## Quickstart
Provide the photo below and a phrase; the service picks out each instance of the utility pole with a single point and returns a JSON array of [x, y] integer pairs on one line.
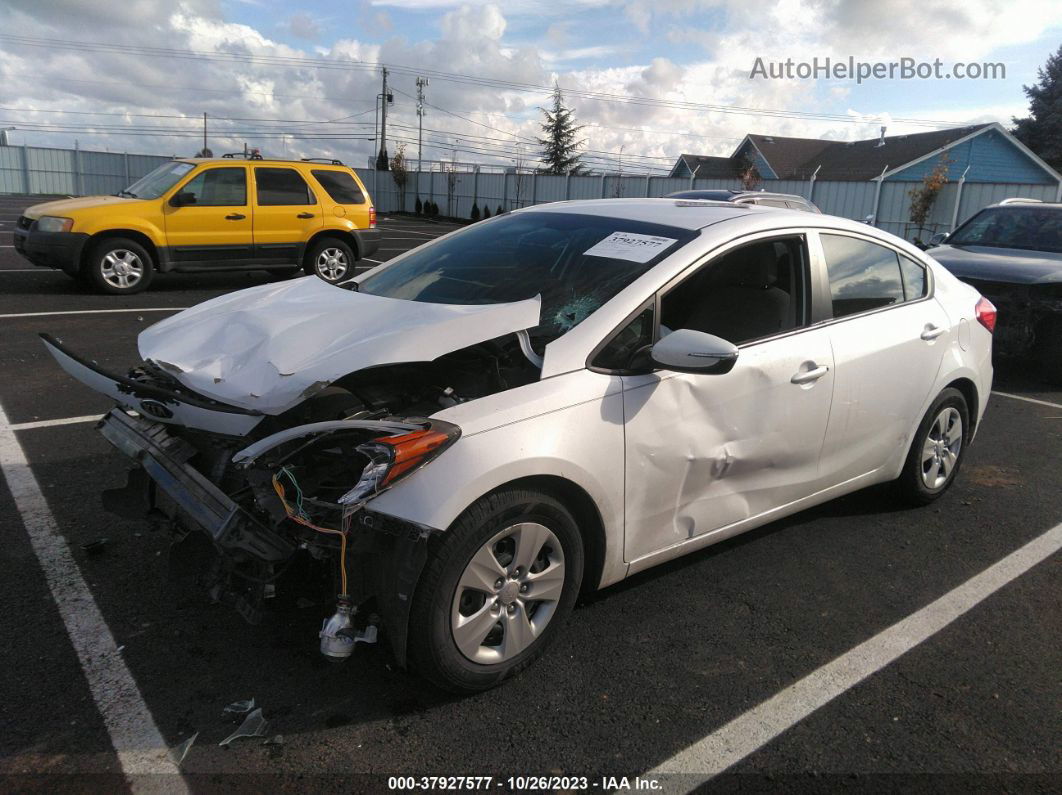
[[204, 134], [382, 157], [421, 83]]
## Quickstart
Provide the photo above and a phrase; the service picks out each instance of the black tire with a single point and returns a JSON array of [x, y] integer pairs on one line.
[[319, 266], [1049, 350], [911, 486], [108, 256], [433, 650]]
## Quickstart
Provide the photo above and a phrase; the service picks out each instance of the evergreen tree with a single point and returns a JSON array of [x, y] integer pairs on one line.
[[486, 213], [560, 147], [1041, 130], [475, 212], [418, 207]]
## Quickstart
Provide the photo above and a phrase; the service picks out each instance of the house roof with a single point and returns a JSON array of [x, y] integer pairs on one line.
[[707, 167], [798, 158], [867, 159]]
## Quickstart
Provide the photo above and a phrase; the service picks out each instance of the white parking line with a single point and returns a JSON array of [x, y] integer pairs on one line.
[[136, 739], [29, 426], [1029, 400], [377, 261], [426, 234], [95, 311], [752, 730]]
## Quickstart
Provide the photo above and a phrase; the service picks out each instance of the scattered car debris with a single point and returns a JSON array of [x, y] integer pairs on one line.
[[238, 708], [254, 725], [95, 547], [181, 751]]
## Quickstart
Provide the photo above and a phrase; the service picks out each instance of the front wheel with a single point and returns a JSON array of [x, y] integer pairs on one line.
[[496, 590], [119, 266], [331, 259], [937, 449]]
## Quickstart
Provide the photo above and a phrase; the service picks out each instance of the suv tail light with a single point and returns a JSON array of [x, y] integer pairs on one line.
[[372, 217], [985, 312]]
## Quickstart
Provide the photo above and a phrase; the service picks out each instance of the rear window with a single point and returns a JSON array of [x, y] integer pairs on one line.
[[281, 187], [340, 185]]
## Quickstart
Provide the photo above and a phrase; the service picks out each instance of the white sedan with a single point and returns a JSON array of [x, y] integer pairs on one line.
[[548, 401]]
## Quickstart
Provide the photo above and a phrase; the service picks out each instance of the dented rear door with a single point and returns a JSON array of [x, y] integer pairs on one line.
[[706, 451]]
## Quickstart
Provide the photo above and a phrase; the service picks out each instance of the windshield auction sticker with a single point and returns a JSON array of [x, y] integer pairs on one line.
[[629, 246]]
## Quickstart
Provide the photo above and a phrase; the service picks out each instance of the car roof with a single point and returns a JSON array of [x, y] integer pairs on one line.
[[690, 214]]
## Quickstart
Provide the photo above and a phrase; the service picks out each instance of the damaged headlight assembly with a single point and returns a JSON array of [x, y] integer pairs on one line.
[[390, 457]]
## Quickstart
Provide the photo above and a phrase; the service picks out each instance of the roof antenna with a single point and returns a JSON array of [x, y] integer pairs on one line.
[[881, 138]]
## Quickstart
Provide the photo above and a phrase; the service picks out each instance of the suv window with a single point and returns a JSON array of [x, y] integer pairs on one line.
[[218, 187], [752, 292], [340, 185], [863, 275], [281, 186]]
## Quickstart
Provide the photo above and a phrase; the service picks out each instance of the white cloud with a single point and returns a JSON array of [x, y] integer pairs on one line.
[[304, 26]]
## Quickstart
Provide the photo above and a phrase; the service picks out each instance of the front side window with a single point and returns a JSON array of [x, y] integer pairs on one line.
[[914, 279], [752, 292], [340, 186], [863, 275], [279, 187], [158, 181], [218, 187], [619, 353], [1034, 228], [575, 262]]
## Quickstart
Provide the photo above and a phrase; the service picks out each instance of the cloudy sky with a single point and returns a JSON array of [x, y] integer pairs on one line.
[[300, 77]]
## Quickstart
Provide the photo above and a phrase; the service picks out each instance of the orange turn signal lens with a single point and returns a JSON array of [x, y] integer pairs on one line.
[[412, 449]]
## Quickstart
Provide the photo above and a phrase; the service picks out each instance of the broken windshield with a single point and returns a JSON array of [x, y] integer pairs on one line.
[[575, 262]]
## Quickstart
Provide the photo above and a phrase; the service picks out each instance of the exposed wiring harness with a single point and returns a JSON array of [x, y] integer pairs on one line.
[[298, 515]]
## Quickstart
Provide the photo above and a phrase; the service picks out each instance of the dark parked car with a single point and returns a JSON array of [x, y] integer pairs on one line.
[[1012, 253], [787, 201]]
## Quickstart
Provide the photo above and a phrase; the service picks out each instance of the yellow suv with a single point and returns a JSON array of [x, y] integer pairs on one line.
[[208, 214]]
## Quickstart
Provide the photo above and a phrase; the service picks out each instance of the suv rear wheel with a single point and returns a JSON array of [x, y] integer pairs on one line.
[[119, 266], [331, 259]]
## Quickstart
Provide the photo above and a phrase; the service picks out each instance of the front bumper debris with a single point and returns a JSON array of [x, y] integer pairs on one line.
[[191, 497]]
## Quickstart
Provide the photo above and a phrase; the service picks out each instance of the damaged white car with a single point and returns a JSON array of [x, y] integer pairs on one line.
[[545, 402]]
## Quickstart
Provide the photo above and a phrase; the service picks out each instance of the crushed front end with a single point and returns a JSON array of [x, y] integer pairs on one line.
[[1027, 312]]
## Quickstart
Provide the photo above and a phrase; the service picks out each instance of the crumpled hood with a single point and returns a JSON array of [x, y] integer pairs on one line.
[[270, 347], [1014, 265], [61, 207]]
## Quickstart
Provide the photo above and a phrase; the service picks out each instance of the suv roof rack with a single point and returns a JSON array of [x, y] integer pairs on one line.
[[254, 154], [329, 160]]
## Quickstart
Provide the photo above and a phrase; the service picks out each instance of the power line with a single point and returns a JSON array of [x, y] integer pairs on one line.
[[353, 65]]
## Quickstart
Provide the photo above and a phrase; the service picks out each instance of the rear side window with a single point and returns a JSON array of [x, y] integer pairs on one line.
[[863, 275], [914, 278], [340, 185], [219, 187], [281, 186]]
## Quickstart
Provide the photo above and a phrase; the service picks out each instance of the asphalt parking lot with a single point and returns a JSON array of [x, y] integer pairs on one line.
[[642, 671]]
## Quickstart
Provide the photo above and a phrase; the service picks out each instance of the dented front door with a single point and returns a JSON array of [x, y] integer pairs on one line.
[[706, 451]]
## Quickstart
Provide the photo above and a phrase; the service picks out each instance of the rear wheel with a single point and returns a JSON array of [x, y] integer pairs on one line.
[[937, 449], [496, 590], [331, 259], [119, 266]]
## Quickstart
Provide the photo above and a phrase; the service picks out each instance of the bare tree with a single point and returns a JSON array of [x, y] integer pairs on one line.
[[749, 174], [451, 184], [400, 175], [925, 195]]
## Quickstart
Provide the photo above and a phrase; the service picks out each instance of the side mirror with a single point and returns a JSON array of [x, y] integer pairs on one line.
[[938, 239], [689, 351], [869, 219], [182, 199]]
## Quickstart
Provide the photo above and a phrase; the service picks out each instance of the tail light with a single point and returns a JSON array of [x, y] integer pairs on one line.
[[372, 217], [985, 312]]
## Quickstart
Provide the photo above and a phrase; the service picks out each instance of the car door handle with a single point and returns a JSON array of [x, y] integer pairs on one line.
[[304, 215], [807, 376], [235, 217], [931, 332]]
